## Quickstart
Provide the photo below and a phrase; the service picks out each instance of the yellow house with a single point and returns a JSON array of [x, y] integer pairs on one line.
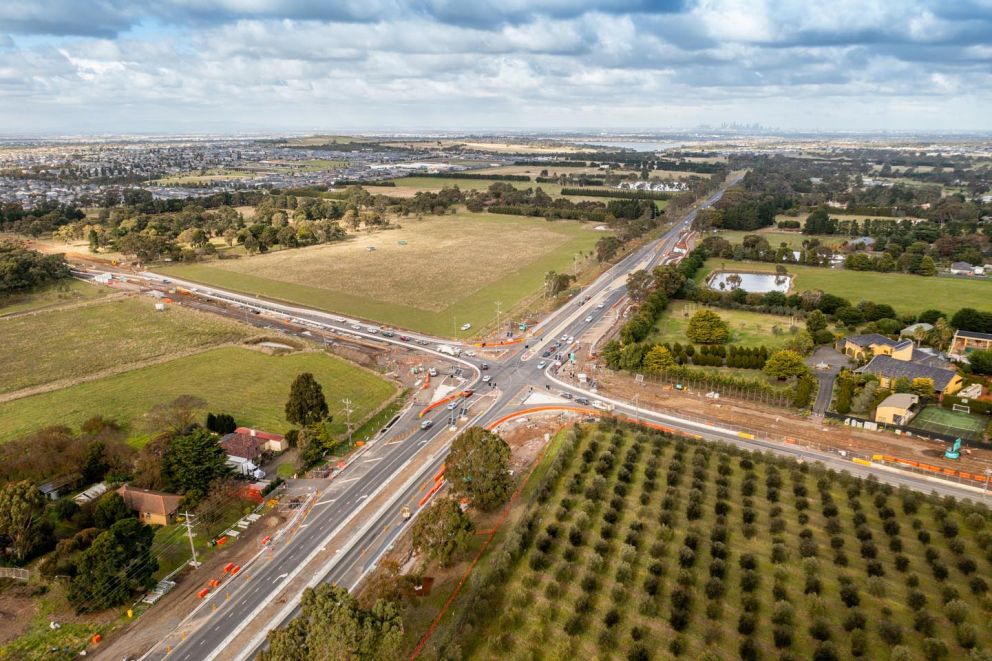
[[863, 347], [897, 409], [889, 368], [965, 341]]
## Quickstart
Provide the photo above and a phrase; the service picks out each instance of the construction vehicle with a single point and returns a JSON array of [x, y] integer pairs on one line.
[[405, 513]]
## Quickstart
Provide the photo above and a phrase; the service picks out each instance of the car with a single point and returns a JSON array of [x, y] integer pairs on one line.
[[588, 319], [423, 343], [452, 406], [465, 327], [564, 338], [546, 353], [426, 424], [566, 395], [432, 372], [541, 365], [356, 327], [387, 333], [484, 366], [372, 329], [405, 338], [582, 400], [570, 340], [467, 393], [470, 354], [487, 379], [601, 306]]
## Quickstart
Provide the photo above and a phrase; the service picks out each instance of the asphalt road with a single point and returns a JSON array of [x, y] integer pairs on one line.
[[512, 379]]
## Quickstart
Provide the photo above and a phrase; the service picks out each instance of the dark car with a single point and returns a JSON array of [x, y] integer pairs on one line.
[[582, 400], [484, 366], [405, 338], [566, 395]]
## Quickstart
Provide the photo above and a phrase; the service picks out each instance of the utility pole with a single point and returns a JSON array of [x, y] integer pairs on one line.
[[189, 533], [499, 328], [348, 409]]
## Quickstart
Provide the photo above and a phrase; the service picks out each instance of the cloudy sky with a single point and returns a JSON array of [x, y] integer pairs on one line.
[[84, 66]]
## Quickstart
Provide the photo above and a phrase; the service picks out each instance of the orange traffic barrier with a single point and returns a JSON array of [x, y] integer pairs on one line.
[[434, 490], [96, 638], [440, 473], [266, 539], [235, 569], [228, 567], [222, 540], [499, 344], [213, 582], [427, 382], [203, 593], [443, 400]]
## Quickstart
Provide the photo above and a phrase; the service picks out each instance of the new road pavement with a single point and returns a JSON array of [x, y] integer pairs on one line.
[[356, 518]]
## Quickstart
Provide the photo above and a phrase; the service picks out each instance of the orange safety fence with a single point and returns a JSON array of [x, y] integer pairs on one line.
[[444, 400], [427, 382], [505, 343], [440, 473], [437, 487], [940, 470]]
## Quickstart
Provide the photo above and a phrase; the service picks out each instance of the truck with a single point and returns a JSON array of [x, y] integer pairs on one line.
[[449, 350], [602, 406], [245, 468]]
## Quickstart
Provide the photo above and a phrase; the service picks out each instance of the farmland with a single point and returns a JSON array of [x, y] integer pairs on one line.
[[640, 546], [906, 293], [69, 291], [748, 329], [250, 385], [80, 341], [407, 186], [839, 215], [428, 275]]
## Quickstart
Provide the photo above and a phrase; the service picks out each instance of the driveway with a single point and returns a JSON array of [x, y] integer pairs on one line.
[[830, 362]]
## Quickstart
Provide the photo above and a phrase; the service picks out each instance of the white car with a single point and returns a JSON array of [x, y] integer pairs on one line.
[[432, 372], [356, 327], [452, 406], [570, 340], [541, 365], [465, 327], [487, 379], [470, 354], [589, 318], [601, 306]]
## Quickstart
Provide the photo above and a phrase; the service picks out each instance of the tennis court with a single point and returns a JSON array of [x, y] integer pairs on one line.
[[945, 421]]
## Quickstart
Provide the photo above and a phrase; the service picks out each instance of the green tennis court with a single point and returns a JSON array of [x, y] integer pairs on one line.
[[945, 421]]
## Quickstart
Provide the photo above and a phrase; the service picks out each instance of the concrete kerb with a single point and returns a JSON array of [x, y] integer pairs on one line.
[[281, 616]]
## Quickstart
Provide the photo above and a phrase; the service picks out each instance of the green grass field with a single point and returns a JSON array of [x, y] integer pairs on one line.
[[946, 421], [437, 183], [75, 342], [840, 216], [651, 548], [906, 293], [775, 239], [749, 329], [250, 385], [69, 291], [451, 270]]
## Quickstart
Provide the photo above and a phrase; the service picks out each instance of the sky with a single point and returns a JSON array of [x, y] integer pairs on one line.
[[230, 66]]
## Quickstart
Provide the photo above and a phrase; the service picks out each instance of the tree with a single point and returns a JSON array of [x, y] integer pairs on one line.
[[941, 333], [22, 509], [923, 386], [849, 316], [980, 361], [801, 343], [443, 531], [785, 363], [658, 359], [95, 462], [176, 417], [606, 247], [927, 267], [638, 285], [94, 241], [815, 321], [193, 461], [118, 563], [332, 625], [110, 509], [555, 283], [706, 327], [478, 466], [306, 404], [668, 279]]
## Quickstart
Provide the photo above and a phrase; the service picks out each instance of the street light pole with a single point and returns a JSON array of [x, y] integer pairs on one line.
[[348, 409], [499, 328]]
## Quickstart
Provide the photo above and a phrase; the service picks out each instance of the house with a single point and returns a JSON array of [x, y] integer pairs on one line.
[[153, 507], [910, 331], [888, 368], [897, 409], [864, 347], [57, 487], [965, 341], [962, 268], [273, 442]]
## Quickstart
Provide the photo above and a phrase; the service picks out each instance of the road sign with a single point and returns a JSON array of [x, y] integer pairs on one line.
[[639, 378]]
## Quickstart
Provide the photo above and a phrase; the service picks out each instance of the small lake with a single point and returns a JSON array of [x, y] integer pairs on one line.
[[756, 283]]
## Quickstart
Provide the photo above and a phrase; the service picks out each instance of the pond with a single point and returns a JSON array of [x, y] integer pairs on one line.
[[758, 283]]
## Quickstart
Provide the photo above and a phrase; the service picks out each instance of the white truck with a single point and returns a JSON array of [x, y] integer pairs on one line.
[[601, 405], [449, 350], [245, 468]]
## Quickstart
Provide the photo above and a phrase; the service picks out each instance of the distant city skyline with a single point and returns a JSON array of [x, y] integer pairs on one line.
[[233, 66]]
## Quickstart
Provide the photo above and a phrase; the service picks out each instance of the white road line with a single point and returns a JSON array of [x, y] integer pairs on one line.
[[372, 460], [350, 479]]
